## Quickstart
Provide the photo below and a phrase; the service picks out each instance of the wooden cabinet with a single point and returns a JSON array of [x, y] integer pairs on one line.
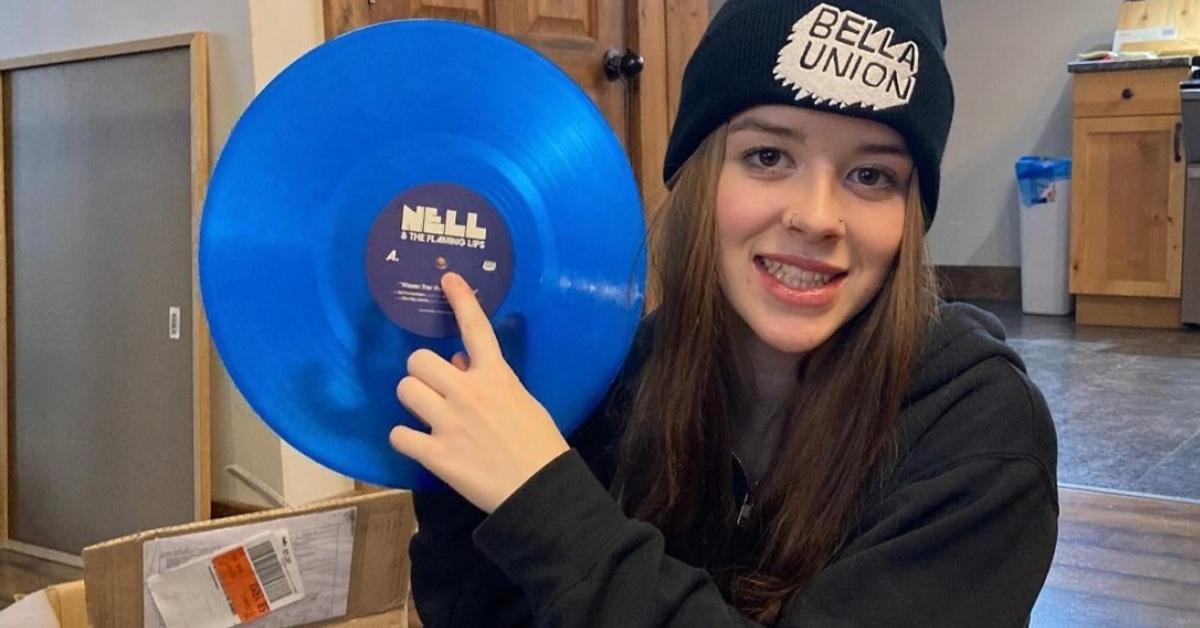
[[1127, 198], [576, 34]]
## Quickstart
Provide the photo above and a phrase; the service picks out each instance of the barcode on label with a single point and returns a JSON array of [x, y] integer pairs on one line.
[[270, 571]]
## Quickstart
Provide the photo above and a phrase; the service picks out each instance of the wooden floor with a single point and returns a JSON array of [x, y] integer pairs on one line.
[[1121, 561]]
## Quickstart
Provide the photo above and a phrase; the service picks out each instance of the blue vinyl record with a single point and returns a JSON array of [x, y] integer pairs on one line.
[[363, 172]]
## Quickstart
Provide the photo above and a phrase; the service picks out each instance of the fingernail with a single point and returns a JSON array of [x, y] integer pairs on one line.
[[453, 279]]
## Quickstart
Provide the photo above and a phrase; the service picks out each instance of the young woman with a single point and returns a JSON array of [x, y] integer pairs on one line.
[[802, 434]]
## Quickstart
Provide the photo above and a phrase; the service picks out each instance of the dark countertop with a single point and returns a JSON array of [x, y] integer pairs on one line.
[[1132, 64]]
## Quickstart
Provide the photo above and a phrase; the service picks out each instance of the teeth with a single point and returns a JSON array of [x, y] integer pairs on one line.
[[795, 278]]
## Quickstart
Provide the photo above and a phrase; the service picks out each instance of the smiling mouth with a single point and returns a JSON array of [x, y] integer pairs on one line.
[[794, 277]]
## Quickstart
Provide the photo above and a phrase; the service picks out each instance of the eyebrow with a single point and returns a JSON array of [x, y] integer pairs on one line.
[[883, 149], [758, 124]]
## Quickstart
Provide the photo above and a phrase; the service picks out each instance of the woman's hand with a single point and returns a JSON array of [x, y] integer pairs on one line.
[[488, 434]]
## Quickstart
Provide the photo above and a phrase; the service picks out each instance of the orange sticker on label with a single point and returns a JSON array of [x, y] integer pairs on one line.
[[241, 586]]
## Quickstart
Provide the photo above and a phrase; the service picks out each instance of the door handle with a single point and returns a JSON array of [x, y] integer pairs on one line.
[[1177, 141], [618, 66]]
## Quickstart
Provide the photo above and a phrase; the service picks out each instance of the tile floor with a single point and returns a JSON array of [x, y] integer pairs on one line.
[[1126, 402]]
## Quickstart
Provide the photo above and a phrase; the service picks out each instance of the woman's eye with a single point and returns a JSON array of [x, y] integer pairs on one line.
[[764, 158], [769, 157], [872, 177]]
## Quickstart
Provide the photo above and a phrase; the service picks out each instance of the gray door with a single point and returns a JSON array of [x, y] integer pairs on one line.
[[102, 412]]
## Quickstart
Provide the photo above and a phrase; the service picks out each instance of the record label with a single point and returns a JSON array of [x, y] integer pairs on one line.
[[425, 232]]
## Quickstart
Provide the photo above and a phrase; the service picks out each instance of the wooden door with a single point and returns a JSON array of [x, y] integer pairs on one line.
[[575, 34], [1127, 207]]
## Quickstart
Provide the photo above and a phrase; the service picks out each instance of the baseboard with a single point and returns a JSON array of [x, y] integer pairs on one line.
[[225, 508], [1000, 283], [1091, 309]]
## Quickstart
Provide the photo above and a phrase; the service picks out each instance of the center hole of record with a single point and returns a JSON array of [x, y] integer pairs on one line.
[[456, 228]]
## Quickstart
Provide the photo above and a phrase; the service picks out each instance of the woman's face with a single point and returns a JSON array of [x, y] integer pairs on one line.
[[809, 215]]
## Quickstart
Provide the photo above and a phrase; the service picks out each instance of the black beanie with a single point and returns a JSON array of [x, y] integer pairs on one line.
[[877, 59]]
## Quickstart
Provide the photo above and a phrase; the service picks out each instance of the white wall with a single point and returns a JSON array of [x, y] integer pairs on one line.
[[34, 27], [1008, 61], [28, 28]]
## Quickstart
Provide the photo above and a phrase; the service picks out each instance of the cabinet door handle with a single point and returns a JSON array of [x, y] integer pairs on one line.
[[1177, 138], [1127, 93]]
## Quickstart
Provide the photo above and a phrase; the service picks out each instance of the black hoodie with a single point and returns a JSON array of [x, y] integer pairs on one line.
[[962, 533]]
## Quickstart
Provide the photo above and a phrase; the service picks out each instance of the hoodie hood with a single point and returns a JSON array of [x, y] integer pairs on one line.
[[963, 337]]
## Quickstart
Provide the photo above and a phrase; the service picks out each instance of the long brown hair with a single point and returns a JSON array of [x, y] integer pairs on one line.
[[675, 467]]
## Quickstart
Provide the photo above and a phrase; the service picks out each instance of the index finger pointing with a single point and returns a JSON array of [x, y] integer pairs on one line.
[[477, 333]]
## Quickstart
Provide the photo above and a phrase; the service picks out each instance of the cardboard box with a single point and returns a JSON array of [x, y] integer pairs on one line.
[[67, 601], [1164, 27], [379, 585], [56, 606]]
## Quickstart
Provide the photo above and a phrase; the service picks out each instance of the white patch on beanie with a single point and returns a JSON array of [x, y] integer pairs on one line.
[[839, 57]]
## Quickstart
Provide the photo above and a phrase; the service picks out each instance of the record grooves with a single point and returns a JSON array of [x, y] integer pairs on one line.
[[365, 170]]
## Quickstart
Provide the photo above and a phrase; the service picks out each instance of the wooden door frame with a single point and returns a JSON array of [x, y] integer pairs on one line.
[[664, 33], [197, 44]]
